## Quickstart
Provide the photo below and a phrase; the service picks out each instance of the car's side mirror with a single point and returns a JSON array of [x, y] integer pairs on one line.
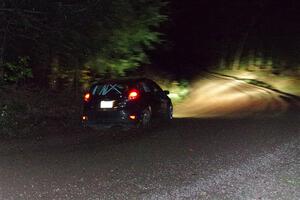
[[166, 92]]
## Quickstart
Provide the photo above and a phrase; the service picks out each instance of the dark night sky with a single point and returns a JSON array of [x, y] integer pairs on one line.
[[198, 29]]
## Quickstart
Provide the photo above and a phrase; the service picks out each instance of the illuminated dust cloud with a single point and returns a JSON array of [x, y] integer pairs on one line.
[[215, 96]]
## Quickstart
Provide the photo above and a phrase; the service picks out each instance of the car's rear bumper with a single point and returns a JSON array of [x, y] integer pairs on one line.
[[110, 119]]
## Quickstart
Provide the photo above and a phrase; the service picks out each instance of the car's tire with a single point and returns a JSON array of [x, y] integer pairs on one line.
[[169, 113], [145, 119]]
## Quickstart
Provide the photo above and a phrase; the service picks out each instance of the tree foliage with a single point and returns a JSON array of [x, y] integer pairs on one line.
[[129, 38], [102, 35], [14, 72]]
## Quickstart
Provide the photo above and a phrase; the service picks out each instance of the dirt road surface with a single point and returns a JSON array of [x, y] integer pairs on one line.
[[216, 154]]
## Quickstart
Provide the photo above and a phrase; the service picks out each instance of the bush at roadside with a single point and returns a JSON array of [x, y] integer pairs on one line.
[[30, 111]]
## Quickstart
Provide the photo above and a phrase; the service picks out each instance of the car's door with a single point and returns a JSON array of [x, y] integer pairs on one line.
[[145, 88], [159, 99]]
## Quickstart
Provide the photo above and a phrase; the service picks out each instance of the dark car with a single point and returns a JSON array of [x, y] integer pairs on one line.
[[126, 103]]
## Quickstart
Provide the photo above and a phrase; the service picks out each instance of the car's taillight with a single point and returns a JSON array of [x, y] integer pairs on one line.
[[133, 94], [87, 97]]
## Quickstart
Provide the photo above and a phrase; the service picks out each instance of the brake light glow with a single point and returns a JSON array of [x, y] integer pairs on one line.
[[132, 117], [87, 97], [133, 94]]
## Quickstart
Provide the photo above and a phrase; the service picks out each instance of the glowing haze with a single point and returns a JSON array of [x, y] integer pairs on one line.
[[214, 96]]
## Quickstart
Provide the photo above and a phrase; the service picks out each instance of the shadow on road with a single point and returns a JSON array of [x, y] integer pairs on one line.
[[190, 130], [180, 129]]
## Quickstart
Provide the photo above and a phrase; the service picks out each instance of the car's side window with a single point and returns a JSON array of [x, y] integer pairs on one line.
[[155, 89], [143, 87], [146, 87], [150, 86]]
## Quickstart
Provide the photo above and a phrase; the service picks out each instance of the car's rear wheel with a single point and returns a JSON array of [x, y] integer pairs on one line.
[[145, 119]]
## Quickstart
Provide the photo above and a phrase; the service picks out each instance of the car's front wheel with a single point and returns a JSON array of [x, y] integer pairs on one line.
[[169, 113]]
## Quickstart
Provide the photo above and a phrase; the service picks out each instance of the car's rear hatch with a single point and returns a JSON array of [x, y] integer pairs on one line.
[[109, 96]]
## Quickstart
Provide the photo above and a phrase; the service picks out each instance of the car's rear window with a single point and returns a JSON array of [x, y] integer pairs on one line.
[[109, 89]]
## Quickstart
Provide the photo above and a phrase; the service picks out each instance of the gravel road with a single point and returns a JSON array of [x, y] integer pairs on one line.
[[254, 157]]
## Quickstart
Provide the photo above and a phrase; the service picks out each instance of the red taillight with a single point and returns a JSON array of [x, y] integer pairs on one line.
[[133, 94], [87, 97]]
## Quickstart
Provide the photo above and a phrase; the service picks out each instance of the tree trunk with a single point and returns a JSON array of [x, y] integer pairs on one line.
[[76, 78], [241, 46], [2, 50]]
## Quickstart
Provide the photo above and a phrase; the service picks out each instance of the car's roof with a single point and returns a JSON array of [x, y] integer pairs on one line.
[[123, 80]]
